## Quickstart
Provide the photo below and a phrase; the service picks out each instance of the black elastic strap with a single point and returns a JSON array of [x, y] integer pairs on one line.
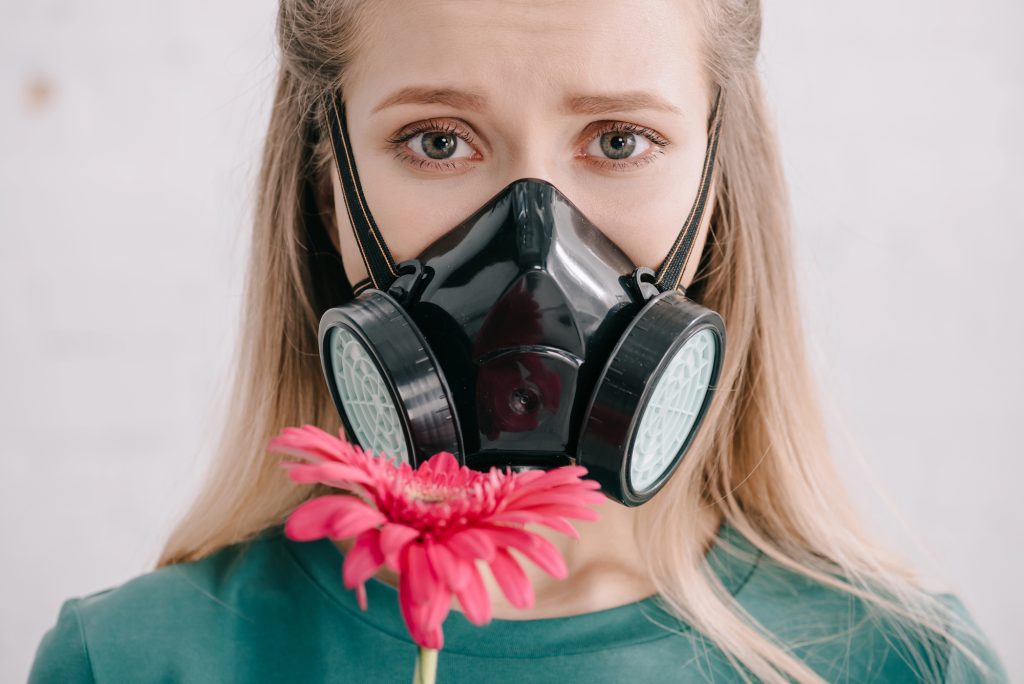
[[362, 285], [670, 273], [380, 265]]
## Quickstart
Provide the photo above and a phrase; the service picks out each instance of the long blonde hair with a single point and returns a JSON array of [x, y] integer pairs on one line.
[[762, 459]]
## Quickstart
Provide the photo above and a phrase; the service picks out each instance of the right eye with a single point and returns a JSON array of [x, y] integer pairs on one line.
[[440, 145], [434, 144]]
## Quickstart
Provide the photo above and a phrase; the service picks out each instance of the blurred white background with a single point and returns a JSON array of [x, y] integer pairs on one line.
[[129, 135]]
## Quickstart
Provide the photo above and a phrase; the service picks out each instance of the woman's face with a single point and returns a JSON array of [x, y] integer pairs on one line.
[[451, 100]]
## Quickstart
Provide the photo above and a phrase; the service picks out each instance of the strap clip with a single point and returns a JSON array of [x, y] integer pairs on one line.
[[642, 284], [412, 277]]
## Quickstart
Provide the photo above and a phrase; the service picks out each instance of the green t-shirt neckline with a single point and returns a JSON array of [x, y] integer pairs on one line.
[[270, 609], [732, 558]]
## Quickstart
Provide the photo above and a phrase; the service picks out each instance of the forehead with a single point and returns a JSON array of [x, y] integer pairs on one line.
[[515, 49]]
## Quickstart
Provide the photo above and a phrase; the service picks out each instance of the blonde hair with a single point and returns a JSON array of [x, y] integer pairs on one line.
[[761, 459]]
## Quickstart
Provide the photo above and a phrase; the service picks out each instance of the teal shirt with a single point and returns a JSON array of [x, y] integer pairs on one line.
[[274, 610]]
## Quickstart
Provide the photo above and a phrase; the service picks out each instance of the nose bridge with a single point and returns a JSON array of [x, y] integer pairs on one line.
[[529, 144], [532, 145]]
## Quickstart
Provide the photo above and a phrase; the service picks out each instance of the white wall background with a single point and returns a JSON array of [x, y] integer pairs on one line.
[[128, 140]]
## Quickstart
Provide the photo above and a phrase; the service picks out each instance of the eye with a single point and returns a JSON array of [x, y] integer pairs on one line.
[[445, 144], [433, 143], [618, 144], [439, 145]]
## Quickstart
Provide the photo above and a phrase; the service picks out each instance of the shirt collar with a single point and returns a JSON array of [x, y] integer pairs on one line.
[[732, 558]]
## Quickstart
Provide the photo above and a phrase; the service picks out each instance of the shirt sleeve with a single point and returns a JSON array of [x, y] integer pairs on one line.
[[62, 656], [960, 668]]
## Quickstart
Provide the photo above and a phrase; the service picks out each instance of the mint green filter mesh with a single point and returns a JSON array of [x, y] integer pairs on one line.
[[365, 398], [672, 409]]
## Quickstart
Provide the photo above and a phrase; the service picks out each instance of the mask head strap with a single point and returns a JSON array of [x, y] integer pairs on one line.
[[380, 265], [671, 271]]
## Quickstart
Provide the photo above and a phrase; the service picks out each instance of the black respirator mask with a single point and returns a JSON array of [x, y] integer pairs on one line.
[[523, 337]]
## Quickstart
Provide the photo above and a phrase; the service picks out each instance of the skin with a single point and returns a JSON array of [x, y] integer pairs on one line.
[[525, 60]]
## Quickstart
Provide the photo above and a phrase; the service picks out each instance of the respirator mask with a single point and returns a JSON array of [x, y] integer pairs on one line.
[[523, 337]]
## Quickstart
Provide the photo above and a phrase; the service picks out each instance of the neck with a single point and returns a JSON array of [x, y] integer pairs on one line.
[[605, 568]]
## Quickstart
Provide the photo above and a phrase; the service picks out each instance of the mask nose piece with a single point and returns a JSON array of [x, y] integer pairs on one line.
[[532, 213], [531, 184]]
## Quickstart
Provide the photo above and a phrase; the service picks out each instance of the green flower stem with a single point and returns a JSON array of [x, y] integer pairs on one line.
[[426, 666]]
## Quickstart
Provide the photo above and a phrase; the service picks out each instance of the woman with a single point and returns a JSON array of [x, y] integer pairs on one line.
[[749, 563]]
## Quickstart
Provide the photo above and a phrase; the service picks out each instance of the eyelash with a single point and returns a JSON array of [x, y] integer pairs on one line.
[[444, 126]]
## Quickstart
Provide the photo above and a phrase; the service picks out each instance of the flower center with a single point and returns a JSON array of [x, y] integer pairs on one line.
[[427, 493]]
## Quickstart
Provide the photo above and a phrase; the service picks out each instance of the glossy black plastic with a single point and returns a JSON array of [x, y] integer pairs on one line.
[[521, 303]]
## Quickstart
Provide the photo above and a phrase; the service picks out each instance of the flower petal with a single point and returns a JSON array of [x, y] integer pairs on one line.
[[435, 610], [435, 639], [512, 579], [555, 522], [556, 498], [473, 598], [394, 537], [561, 511], [355, 520], [337, 475], [443, 464], [361, 595], [363, 559], [535, 547], [310, 442], [418, 593], [560, 525], [333, 515], [472, 543], [541, 512], [418, 573], [446, 566], [525, 477], [548, 479]]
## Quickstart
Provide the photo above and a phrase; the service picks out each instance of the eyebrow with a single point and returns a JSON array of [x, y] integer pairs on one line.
[[476, 101], [620, 102], [460, 99]]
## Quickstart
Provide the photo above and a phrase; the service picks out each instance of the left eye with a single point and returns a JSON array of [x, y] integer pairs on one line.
[[440, 145], [618, 144]]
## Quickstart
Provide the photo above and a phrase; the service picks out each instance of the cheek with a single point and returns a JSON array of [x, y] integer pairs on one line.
[[412, 213], [645, 230], [644, 216], [646, 233]]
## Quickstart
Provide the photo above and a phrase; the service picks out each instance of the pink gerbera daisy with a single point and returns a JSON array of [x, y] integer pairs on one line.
[[432, 524]]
